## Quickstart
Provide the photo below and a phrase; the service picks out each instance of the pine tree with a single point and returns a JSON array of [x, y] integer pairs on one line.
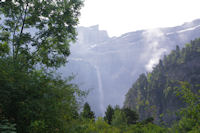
[[109, 114], [131, 116], [87, 113]]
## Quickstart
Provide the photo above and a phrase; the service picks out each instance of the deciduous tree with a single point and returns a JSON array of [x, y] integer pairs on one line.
[[38, 31]]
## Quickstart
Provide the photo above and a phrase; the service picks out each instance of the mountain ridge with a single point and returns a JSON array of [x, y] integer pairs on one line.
[[121, 59]]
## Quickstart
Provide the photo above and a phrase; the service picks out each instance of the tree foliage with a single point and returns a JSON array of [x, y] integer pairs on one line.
[[131, 116], [87, 113], [119, 118], [154, 93], [35, 36], [190, 116], [37, 99], [109, 114], [38, 31]]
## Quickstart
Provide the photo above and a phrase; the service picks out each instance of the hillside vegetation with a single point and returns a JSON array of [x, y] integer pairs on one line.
[[154, 93]]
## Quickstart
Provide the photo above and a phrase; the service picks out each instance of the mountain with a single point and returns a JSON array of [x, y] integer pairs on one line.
[[154, 93], [108, 66]]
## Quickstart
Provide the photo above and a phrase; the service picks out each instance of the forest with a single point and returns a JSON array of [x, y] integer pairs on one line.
[[154, 93], [35, 39]]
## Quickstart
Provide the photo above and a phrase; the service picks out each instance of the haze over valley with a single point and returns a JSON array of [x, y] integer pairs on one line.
[[108, 66]]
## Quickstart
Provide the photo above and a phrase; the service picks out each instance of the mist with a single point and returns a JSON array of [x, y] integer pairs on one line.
[[108, 67]]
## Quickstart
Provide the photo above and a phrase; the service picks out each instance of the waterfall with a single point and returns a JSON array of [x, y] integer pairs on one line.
[[100, 89], [99, 80]]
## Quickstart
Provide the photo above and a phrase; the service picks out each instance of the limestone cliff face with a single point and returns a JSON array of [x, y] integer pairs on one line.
[[91, 35]]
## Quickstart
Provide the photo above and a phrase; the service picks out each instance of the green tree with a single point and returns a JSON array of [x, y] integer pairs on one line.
[[154, 95], [131, 116], [87, 113], [38, 31], [99, 126], [119, 118], [190, 116], [37, 100], [34, 36], [148, 120], [109, 114]]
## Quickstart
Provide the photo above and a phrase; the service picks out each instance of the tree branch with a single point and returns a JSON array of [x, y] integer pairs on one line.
[[13, 40], [23, 23]]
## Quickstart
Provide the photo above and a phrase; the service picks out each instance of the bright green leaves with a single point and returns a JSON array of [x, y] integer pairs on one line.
[[4, 43], [185, 92], [190, 116], [4, 49], [4, 35], [37, 24]]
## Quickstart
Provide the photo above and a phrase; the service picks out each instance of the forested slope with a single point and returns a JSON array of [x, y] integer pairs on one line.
[[154, 94]]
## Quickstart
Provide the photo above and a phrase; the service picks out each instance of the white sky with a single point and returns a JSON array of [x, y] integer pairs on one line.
[[121, 16]]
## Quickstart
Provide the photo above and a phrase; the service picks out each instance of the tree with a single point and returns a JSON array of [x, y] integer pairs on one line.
[[87, 113], [190, 115], [109, 114], [35, 36], [119, 118], [37, 101], [131, 116], [38, 31], [148, 120]]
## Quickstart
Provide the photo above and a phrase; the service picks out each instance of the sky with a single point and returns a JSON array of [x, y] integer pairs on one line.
[[121, 16]]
